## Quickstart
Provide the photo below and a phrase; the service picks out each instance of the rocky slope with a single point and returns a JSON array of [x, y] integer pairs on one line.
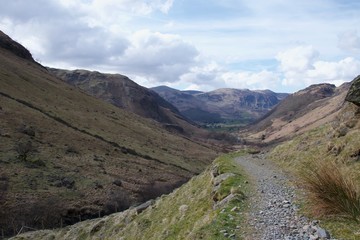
[[66, 156], [221, 105], [299, 112]]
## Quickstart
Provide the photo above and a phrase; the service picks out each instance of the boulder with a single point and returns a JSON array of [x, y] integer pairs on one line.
[[354, 92], [144, 206], [322, 233]]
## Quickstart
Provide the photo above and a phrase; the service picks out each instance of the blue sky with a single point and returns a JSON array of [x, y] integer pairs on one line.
[[280, 45]]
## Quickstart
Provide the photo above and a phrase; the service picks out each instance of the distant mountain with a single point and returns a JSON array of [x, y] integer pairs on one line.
[[221, 105], [298, 112], [122, 92], [66, 156]]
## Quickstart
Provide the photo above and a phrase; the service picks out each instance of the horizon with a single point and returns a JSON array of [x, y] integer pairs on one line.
[[206, 45]]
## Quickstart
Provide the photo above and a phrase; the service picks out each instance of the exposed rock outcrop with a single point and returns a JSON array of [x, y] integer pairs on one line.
[[354, 92]]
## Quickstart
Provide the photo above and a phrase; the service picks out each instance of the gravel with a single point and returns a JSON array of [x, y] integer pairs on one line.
[[273, 213]]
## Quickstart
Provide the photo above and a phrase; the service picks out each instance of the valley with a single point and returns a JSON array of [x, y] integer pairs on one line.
[[90, 155]]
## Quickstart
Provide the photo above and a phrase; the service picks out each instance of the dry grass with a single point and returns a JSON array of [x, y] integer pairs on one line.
[[83, 140], [331, 191]]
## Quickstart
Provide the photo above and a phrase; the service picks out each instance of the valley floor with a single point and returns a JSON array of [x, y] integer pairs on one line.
[[273, 213]]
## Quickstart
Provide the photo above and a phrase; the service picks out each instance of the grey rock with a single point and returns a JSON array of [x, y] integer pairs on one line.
[[354, 92], [322, 233], [222, 177], [144, 206]]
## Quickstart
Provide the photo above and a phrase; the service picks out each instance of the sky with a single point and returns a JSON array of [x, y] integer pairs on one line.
[[282, 45]]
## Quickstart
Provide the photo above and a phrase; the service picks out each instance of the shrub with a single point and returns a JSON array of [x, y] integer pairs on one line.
[[24, 149], [331, 191]]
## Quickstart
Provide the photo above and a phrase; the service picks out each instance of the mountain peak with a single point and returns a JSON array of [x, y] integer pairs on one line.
[[7, 43]]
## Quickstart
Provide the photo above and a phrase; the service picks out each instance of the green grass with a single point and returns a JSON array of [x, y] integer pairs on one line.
[[186, 213]]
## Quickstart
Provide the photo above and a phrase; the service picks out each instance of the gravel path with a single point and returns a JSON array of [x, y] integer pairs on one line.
[[273, 215]]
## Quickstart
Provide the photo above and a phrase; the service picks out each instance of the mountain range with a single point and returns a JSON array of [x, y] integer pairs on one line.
[[222, 105], [76, 145]]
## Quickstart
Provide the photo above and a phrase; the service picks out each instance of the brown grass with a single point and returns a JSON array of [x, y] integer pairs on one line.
[[331, 191]]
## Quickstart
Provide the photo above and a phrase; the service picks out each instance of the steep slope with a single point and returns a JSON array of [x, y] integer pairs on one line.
[[221, 105], [336, 143], [122, 92], [188, 104], [66, 156], [240, 104], [190, 212], [299, 112]]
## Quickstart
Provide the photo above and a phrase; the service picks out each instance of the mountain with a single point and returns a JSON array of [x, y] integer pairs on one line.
[[213, 204], [304, 110], [122, 92], [67, 156], [221, 105]]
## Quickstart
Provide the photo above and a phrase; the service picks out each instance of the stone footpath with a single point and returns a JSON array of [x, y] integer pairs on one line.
[[272, 214]]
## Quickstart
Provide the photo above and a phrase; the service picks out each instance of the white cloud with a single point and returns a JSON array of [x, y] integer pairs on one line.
[[300, 68], [212, 76], [297, 59], [244, 41], [258, 80], [156, 56], [349, 41]]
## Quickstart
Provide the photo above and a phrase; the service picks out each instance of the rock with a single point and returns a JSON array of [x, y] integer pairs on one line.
[[144, 206], [214, 172], [224, 201], [222, 177], [117, 182], [65, 182], [234, 209], [322, 233], [313, 237], [183, 209], [97, 227], [353, 94], [28, 130]]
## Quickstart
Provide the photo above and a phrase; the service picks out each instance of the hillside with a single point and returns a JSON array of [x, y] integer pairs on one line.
[[221, 105], [190, 212], [330, 150], [297, 113], [124, 93], [66, 156]]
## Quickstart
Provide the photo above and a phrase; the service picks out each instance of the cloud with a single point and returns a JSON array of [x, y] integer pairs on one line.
[[300, 68], [349, 41], [229, 44], [212, 76], [159, 57], [258, 80], [297, 59]]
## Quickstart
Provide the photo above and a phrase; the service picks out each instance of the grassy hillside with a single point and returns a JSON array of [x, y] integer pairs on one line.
[[191, 212], [316, 151], [66, 156], [122, 92]]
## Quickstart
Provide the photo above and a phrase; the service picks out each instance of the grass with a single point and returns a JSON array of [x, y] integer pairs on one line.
[[331, 175], [186, 213], [62, 118], [331, 192]]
